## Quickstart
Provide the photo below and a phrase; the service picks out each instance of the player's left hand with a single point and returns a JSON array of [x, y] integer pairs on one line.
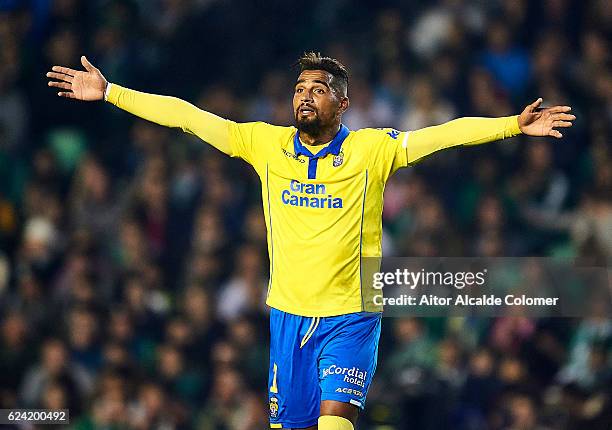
[[535, 121]]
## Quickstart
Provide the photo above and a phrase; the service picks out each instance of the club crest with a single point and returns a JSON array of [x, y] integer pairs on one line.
[[273, 407], [338, 159]]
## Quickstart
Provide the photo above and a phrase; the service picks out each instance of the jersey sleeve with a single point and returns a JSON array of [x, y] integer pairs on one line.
[[398, 149], [390, 151], [465, 131], [172, 112], [251, 141]]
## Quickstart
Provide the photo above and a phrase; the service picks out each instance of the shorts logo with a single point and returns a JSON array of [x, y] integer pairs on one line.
[[352, 375], [273, 407], [349, 391], [338, 159]]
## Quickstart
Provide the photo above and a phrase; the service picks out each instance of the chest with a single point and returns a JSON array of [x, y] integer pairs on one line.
[[327, 187], [344, 167]]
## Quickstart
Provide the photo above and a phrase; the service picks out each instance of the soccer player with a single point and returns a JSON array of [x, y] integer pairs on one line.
[[322, 190]]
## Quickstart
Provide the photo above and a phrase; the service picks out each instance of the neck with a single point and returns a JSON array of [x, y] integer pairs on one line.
[[321, 138]]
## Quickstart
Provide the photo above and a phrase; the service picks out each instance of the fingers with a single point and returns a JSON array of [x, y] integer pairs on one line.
[[563, 117], [60, 76], [533, 106], [69, 95], [88, 66], [555, 133], [64, 70], [63, 85], [563, 124], [64, 82], [558, 109]]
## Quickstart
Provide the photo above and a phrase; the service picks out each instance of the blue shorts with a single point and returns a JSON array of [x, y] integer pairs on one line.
[[314, 359]]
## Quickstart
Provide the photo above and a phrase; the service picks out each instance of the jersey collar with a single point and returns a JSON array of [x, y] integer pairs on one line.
[[332, 148]]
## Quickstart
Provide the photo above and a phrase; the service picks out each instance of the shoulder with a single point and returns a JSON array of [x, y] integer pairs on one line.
[[377, 138], [274, 129], [261, 131], [376, 133], [271, 134]]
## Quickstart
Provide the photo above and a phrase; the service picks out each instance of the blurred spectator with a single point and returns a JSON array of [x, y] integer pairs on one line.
[[508, 63], [479, 392], [230, 405], [246, 290], [425, 108], [15, 356], [179, 380], [54, 367], [95, 208], [366, 110]]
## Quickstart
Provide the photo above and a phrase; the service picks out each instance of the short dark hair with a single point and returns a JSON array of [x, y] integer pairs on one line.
[[314, 61]]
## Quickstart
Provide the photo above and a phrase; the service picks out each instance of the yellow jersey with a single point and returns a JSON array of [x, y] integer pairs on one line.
[[322, 204], [323, 210]]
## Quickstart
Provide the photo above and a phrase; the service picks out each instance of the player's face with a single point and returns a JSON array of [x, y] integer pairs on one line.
[[315, 105]]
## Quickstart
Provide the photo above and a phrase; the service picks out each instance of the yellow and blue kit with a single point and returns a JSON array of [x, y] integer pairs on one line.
[[323, 210], [319, 358]]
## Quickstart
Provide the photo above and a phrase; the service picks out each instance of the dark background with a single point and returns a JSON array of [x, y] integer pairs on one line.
[[133, 263]]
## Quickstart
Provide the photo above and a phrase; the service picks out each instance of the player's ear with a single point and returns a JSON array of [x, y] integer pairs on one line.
[[344, 104]]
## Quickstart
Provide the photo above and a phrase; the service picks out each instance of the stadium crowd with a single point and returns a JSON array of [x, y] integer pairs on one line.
[[133, 259]]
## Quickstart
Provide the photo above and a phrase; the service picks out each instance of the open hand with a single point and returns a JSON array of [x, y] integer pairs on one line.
[[88, 85], [542, 122]]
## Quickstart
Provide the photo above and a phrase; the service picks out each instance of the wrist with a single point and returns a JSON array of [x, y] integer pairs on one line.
[[107, 89], [515, 125]]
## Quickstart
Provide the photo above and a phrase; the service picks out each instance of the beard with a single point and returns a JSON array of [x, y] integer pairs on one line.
[[311, 126]]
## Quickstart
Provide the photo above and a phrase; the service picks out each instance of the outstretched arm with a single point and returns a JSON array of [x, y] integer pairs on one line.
[[90, 85], [473, 131]]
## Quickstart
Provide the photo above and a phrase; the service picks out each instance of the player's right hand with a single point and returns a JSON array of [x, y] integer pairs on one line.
[[88, 85]]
